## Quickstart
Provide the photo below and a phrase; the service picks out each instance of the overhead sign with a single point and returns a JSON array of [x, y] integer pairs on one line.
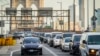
[[45, 12], [11, 11], [26, 11], [1, 23]]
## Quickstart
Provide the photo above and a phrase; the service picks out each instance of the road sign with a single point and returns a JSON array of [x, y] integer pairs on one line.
[[45, 12], [11, 11], [26, 11], [2, 23]]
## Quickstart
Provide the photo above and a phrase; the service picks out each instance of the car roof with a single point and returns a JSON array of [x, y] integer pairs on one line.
[[31, 37], [69, 33], [92, 33], [67, 37]]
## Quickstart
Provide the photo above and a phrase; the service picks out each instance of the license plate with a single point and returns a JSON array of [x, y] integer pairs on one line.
[[31, 50]]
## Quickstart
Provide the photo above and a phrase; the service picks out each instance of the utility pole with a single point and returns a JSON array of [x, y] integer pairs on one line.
[[74, 15], [94, 21], [88, 15], [61, 10]]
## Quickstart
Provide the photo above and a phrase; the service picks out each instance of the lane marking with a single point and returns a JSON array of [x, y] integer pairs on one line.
[[11, 54], [50, 51]]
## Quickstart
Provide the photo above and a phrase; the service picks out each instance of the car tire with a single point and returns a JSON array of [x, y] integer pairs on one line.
[[22, 53], [41, 53]]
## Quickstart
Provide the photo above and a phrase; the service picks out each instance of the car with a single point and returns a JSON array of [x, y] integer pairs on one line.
[[17, 35], [31, 45], [57, 40], [66, 35], [89, 44], [74, 44], [51, 39], [65, 44], [46, 36]]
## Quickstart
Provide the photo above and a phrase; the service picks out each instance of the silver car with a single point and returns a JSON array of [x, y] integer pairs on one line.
[[65, 44]]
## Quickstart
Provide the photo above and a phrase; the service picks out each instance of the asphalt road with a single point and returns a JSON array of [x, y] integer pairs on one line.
[[47, 51]]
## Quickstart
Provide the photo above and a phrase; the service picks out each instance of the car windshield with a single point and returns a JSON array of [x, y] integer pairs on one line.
[[55, 34], [67, 35], [48, 35], [28, 35], [94, 40], [67, 39], [31, 40], [77, 38], [58, 37]]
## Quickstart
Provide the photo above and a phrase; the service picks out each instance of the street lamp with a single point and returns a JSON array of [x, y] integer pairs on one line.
[[61, 10], [88, 15], [74, 18], [94, 26]]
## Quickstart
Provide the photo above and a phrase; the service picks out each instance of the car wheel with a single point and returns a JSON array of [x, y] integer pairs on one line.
[[22, 53], [41, 53]]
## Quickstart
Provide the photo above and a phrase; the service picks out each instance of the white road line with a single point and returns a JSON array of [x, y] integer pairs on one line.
[[50, 51], [11, 54]]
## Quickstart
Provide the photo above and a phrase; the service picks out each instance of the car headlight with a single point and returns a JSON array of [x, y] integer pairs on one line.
[[92, 50], [23, 46], [40, 46]]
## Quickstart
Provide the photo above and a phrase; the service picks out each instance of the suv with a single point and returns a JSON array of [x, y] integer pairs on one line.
[[52, 37], [90, 44], [74, 44], [31, 45]]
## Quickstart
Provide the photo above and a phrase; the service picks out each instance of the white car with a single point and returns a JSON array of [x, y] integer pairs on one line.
[[65, 44], [57, 40], [47, 35], [89, 44]]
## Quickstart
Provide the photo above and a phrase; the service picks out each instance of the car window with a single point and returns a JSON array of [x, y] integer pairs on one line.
[[28, 35], [94, 39], [67, 35], [58, 37], [31, 40], [77, 38], [55, 34], [67, 40], [48, 35]]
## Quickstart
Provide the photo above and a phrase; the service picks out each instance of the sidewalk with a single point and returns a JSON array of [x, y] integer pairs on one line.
[[4, 49]]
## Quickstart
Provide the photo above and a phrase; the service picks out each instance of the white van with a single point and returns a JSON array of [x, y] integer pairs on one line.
[[89, 44]]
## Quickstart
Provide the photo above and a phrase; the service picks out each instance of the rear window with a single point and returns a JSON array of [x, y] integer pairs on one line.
[[77, 38], [67, 40], [59, 37], [67, 35]]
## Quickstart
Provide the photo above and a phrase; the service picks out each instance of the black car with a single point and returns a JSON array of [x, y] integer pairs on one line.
[[74, 44], [17, 35], [31, 45]]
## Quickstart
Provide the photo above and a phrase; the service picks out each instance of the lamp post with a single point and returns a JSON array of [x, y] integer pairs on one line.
[[88, 15], [94, 26], [74, 18], [61, 10]]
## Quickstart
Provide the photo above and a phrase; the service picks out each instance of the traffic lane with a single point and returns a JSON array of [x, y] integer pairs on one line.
[[45, 53], [59, 52]]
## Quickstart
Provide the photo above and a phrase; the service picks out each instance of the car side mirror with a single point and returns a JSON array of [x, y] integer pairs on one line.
[[70, 40], [84, 42]]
